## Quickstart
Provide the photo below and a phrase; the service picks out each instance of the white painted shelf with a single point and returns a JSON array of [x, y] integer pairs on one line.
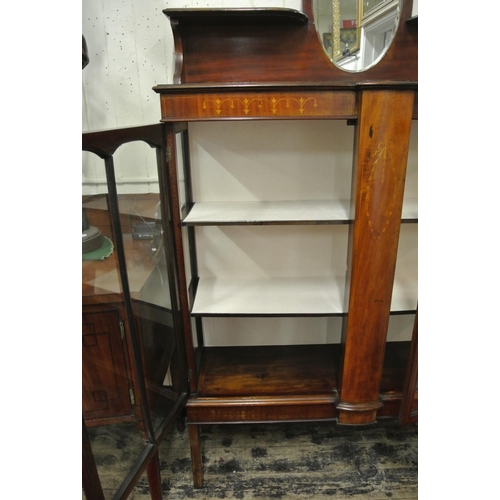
[[279, 212], [410, 210], [310, 296], [262, 212], [404, 296]]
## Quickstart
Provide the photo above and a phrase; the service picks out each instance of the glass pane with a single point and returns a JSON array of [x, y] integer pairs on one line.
[[111, 415], [113, 402], [116, 448], [141, 220]]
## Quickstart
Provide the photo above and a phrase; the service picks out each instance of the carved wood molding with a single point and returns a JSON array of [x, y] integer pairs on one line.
[[367, 406], [358, 413]]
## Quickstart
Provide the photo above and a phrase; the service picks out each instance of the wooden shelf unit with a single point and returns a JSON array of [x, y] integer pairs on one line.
[[233, 65]]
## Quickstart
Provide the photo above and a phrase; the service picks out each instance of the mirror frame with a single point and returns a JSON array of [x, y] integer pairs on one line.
[[367, 13], [365, 17], [336, 49]]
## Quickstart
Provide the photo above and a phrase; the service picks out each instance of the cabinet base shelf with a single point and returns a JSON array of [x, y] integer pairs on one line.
[[268, 371], [283, 383]]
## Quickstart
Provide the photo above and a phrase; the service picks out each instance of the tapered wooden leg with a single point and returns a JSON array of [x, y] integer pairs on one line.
[[181, 424], [154, 477], [194, 440], [90, 477]]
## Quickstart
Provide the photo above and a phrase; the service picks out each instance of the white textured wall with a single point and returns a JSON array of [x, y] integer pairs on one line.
[[131, 50]]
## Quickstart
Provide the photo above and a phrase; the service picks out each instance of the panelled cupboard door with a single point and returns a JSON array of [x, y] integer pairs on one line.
[[105, 389]]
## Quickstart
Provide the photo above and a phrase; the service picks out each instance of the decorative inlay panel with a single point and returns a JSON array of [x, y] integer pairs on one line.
[[259, 105], [262, 104], [385, 194]]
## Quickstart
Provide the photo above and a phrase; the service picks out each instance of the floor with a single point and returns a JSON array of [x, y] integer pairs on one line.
[[295, 461]]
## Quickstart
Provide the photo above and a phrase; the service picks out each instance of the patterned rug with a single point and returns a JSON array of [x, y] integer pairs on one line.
[[295, 461]]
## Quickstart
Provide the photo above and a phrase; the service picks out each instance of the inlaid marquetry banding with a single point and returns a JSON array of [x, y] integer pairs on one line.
[[378, 176], [258, 105]]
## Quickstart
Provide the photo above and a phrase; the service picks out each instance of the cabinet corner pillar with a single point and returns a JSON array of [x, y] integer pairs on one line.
[[382, 142]]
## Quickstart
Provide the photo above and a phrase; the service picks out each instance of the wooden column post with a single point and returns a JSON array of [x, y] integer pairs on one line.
[[172, 187], [382, 140]]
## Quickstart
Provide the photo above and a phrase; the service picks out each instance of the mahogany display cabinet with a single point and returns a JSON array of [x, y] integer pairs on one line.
[[268, 65]]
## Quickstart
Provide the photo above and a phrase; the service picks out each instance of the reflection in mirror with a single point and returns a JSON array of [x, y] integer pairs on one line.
[[356, 33]]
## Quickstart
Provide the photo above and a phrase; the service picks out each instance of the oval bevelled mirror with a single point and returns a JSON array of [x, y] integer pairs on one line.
[[356, 33]]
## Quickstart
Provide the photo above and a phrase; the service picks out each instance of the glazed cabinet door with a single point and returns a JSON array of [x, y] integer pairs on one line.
[[134, 381]]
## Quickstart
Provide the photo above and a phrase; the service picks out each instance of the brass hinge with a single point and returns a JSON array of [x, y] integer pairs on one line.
[[132, 397], [122, 330]]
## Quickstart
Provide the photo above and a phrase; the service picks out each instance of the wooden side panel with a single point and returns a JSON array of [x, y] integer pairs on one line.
[[409, 404], [383, 140]]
